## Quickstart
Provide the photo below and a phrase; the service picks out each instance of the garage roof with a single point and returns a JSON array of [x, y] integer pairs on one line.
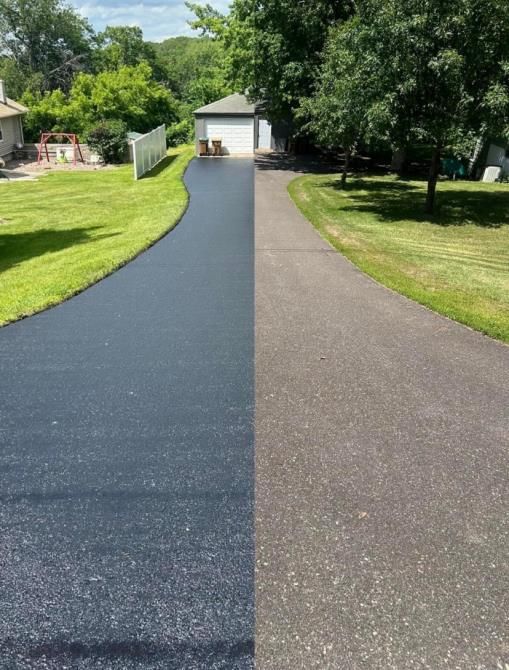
[[232, 105]]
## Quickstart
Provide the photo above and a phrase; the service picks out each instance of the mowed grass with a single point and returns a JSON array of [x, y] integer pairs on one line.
[[66, 231], [456, 262]]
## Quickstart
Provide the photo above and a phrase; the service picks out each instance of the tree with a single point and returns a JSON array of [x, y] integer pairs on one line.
[[109, 139], [129, 95], [288, 44], [274, 47], [433, 72], [336, 113], [209, 21], [45, 39], [122, 45], [194, 69], [442, 72]]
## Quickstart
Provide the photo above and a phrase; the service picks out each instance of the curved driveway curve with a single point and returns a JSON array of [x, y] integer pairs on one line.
[[126, 456]]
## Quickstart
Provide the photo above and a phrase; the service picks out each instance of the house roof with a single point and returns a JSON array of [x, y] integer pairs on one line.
[[236, 104], [11, 108]]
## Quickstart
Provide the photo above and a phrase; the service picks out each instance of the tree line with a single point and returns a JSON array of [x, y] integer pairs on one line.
[[74, 79], [391, 73]]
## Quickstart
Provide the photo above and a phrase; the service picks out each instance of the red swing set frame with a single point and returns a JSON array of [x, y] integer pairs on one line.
[[72, 137]]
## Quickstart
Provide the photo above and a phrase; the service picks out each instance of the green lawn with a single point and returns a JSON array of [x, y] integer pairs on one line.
[[455, 262], [67, 230]]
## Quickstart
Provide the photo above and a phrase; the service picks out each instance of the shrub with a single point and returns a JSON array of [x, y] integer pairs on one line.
[[109, 139], [179, 133]]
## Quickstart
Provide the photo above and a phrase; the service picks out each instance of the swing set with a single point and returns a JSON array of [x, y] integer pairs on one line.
[[71, 137]]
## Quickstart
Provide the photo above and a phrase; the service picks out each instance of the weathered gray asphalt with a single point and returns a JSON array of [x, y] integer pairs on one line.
[[126, 455], [381, 458]]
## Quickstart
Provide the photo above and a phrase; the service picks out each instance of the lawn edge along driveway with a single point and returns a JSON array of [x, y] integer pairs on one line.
[[64, 233], [453, 263]]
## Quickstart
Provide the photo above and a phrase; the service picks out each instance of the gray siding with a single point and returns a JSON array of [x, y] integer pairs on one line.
[[11, 134], [199, 131]]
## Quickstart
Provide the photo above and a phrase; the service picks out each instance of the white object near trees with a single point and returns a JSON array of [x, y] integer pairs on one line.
[[148, 151], [264, 134], [491, 174]]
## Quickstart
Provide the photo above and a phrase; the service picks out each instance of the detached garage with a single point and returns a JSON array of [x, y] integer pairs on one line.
[[238, 124]]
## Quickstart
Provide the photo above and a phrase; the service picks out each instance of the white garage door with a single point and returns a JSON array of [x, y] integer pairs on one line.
[[237, 133]]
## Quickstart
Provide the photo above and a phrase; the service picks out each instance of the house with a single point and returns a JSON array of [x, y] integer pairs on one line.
[[241, 126], [11, 126]]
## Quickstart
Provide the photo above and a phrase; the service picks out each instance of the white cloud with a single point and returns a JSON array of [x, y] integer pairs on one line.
[[158, 21]]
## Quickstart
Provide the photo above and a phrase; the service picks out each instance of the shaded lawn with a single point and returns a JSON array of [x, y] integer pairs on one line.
[[67, 230], [456, 262]]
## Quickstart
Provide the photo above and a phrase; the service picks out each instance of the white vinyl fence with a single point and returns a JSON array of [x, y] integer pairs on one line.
[[148, 150]]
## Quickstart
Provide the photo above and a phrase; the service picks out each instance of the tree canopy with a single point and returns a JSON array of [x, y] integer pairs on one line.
[[43, 42], [433, 72]]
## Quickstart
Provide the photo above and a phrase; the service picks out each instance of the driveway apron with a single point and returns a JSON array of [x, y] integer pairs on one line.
[[381, 459], [127, 475]]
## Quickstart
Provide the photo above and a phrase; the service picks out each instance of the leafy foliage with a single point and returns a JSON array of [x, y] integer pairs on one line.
[[431, 72], [72, 79], [45, 40], [194, 69], [109, 140], [180, 132], [128, 94], [118, 46], [336, 114]]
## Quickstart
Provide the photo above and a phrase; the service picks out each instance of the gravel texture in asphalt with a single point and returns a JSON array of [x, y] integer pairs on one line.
[[126, 457], [381, 459]]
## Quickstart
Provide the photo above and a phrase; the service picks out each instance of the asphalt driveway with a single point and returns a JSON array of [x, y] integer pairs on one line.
[[382, 434], [126, 458]]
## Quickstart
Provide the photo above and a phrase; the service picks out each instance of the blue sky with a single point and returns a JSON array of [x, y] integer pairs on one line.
[[157, 18]]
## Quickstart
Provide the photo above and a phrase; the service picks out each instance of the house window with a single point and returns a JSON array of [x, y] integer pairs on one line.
[[1, 133]]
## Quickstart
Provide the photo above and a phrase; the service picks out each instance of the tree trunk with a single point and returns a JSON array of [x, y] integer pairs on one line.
[[344, 174], [432, 180], [398, 162]]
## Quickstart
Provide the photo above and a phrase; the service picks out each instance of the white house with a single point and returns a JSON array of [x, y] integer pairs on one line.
[[240, 125], [11, 126]]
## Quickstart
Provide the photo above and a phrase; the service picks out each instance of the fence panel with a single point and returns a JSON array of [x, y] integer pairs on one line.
[[148, 150]]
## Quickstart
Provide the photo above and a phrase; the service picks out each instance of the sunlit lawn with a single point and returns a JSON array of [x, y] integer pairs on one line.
[[455, 262], [69, 229]]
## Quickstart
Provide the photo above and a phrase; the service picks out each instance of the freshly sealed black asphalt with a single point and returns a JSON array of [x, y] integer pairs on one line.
[[126, 455]]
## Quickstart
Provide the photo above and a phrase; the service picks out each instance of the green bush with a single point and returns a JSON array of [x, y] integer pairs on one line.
[[109, 139], [179, 133]]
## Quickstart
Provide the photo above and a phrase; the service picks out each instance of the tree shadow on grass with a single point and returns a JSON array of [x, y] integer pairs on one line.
[[402, 200], [160, 167], [15, 248]]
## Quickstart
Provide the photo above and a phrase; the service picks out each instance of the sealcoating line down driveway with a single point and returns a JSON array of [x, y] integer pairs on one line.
[[126, 455]]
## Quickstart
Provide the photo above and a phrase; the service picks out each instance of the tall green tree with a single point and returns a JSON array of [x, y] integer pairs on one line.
[[288, 44], [122, 45], [443, 69], [433, 72], [336, 115], [194, 69], [47, 40], [128, 94], [274, 47]]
